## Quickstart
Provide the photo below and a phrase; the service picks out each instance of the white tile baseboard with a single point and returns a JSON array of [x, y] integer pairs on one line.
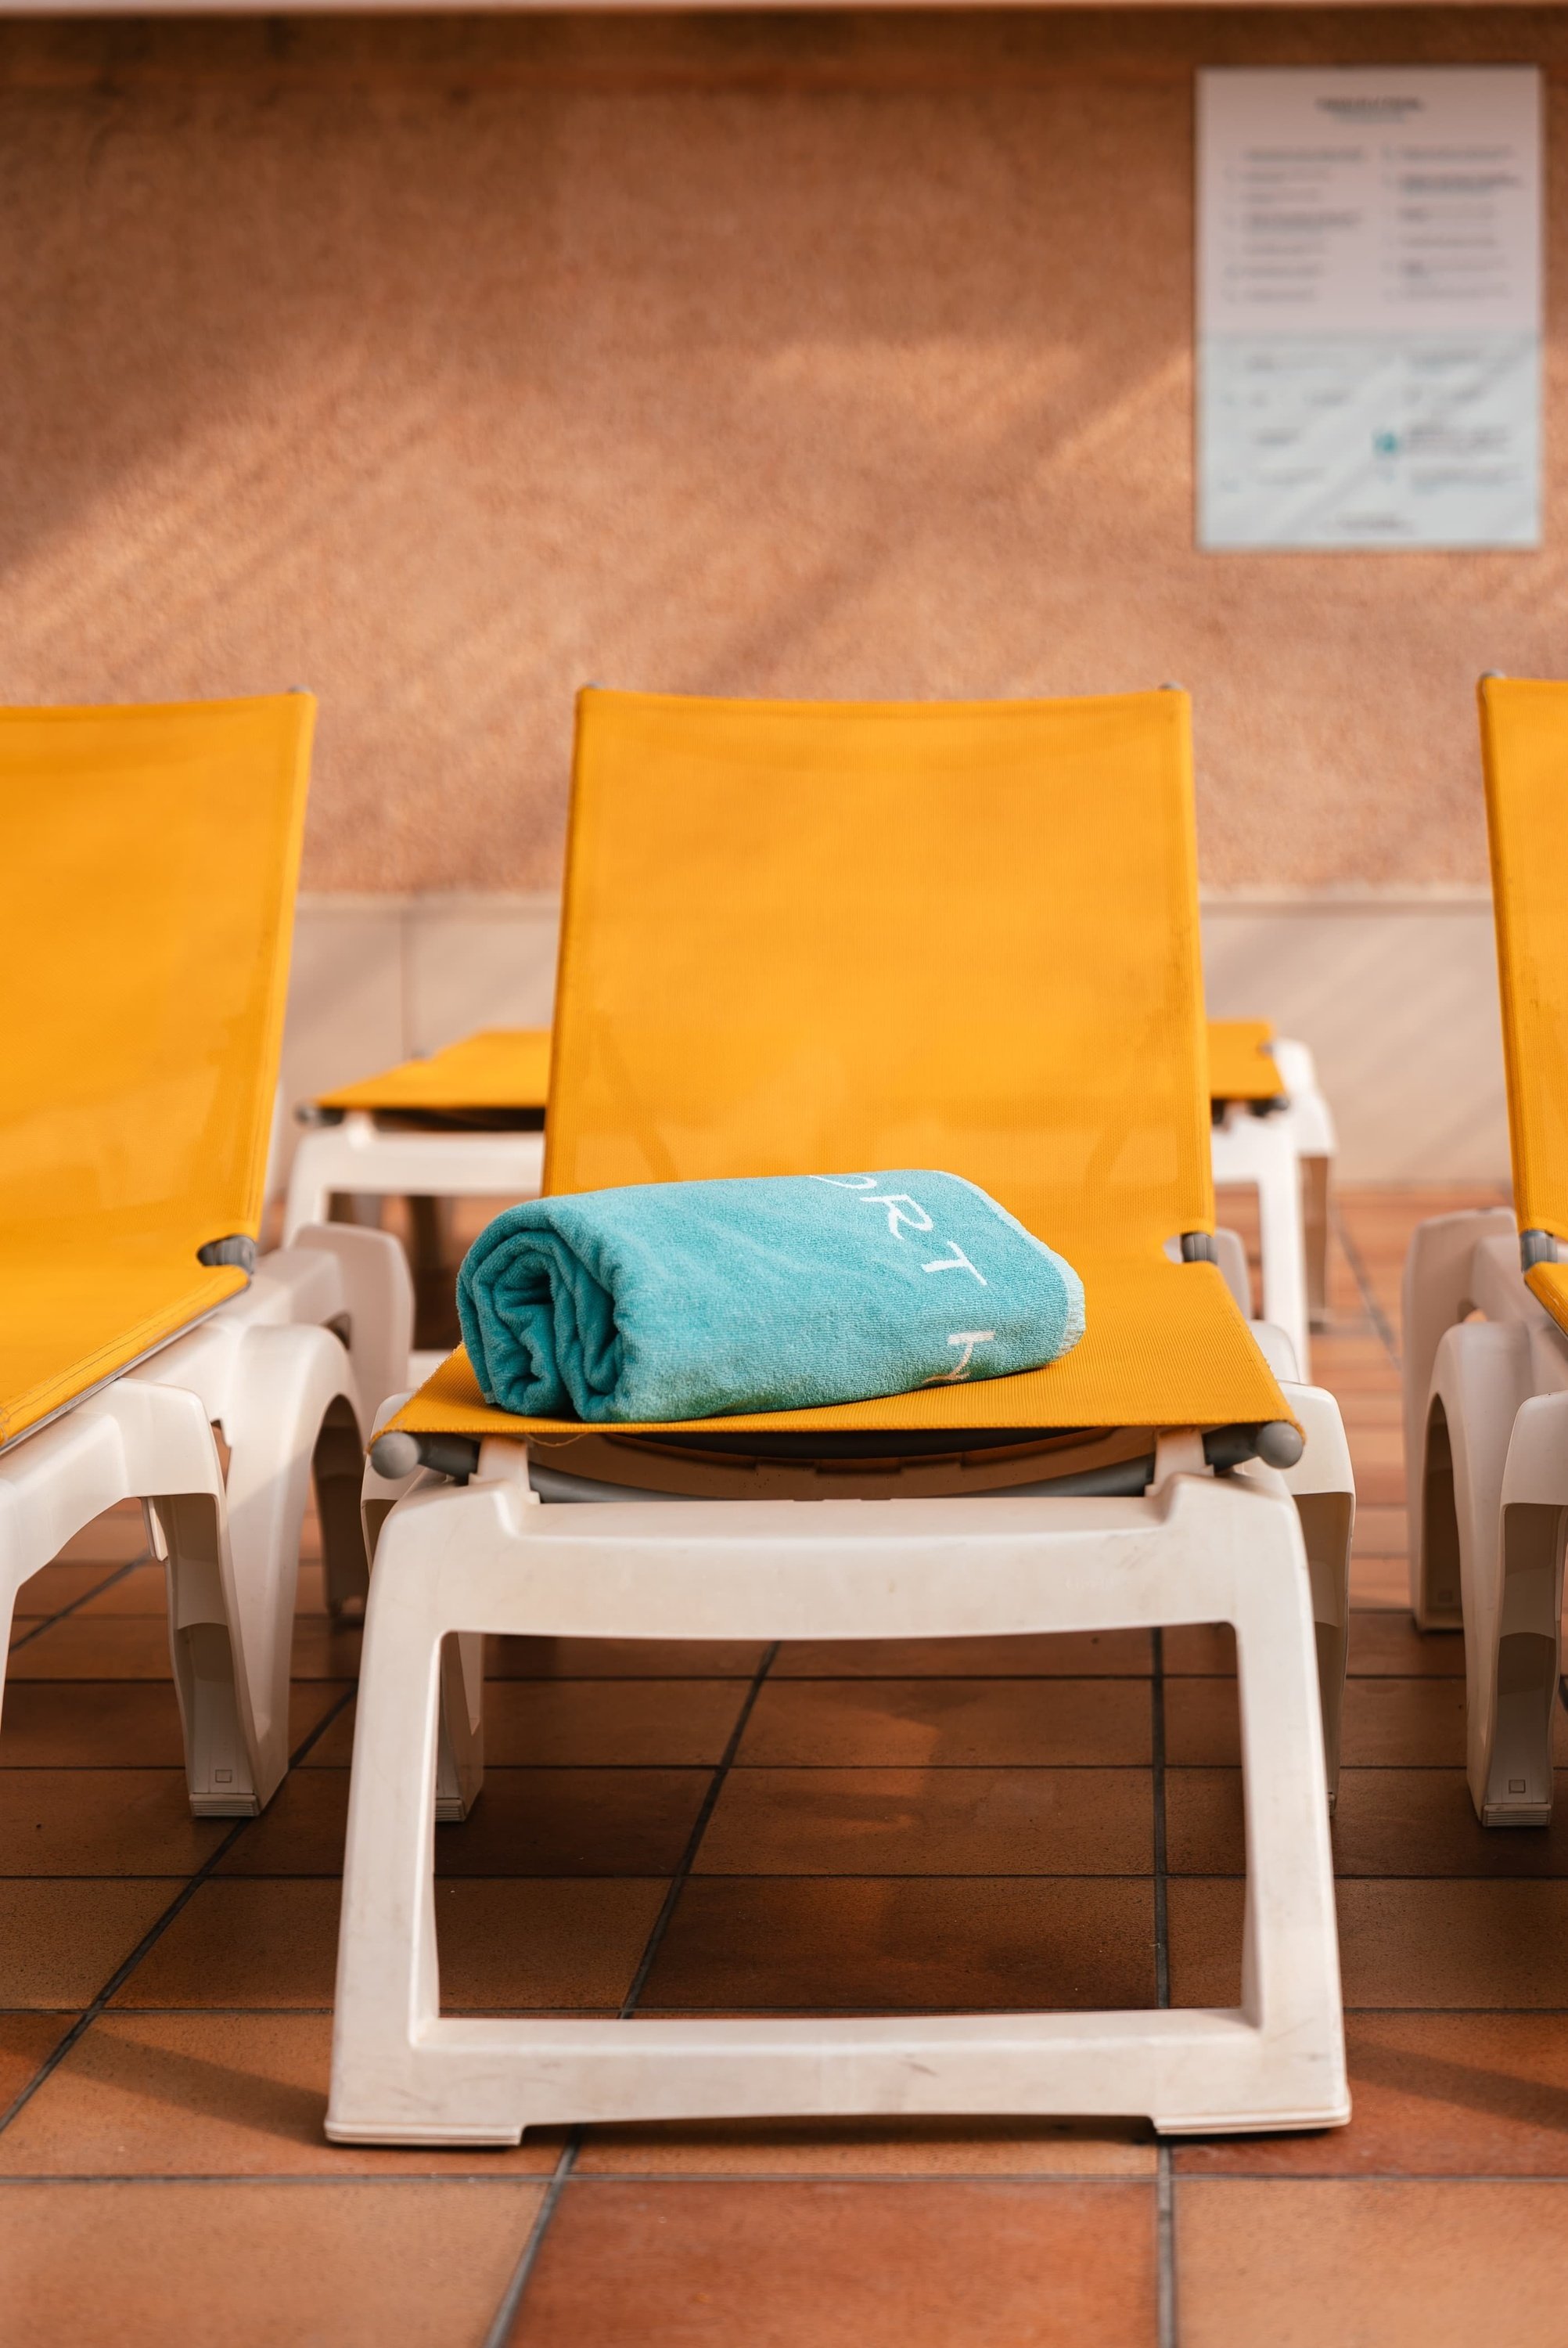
[[1396, 992]]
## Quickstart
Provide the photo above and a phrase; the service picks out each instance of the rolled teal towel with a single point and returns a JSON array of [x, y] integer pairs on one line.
[[686, 1300]]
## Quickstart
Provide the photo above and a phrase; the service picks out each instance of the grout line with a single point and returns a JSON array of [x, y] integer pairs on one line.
[[1164, 2194], [155, 1932], [505, 2315], [688, 1858], [49, 1621], [1355, 1259], [511, 2299], [512, 2180]]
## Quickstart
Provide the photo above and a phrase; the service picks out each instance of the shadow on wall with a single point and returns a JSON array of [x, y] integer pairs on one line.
[[446, 364]]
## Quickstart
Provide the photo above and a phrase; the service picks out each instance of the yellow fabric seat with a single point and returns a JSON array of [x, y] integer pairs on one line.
[[509, 1067], [802, 938], [498, 1068], [1241, 1066], [148, 853]]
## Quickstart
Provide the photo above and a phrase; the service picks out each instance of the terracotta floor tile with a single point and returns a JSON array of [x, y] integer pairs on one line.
[[56, 1586], [260, 2265], [1386, 1645], [1304, 2264], [930, 1942], [1205, 1829], [1380, 1531], [86, 1646], [143, 1591], [615, 1659], [132, 1724], [1354, 1364], [953, 1724], [1203, 1724], [525, 1822], [1479, 1945], [101, 1822], [830, 2265], [938, 2147], [1204, 1923], [1380, 1581], [932, 1822], [1069, 1655], [1476, 2094], [64, 1937], [26, 2041], [272, 1943], [1207, 1649], [657, 1724], [210, 2095], [1422, 1822], [324, 1650], [1404, 1723], [114, 1539]]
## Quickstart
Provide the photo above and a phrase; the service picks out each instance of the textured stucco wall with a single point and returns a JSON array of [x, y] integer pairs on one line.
[[443, 364]]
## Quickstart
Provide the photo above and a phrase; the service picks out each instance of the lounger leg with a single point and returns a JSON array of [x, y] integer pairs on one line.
[[1435, 1295], [9, 1585], [287, 1384], [186, 1530], [1279, 1234], [1314, 1234], [460, 1750], [1323, 1485], [310, 1184], [1514, 1602], [388, 1984], [1290, 1948], [1480, 1380], [339, 1469]]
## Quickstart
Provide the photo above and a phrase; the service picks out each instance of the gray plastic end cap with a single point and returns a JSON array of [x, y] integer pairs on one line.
[[1279, 1445], [395, 1455], [236, 1249]]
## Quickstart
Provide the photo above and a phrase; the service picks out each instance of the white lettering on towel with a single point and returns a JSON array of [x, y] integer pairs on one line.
[[896, 1201], [968, 1339], [956, 1262]]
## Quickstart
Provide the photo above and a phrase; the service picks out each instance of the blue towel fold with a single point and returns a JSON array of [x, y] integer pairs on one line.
[[686, 1300]]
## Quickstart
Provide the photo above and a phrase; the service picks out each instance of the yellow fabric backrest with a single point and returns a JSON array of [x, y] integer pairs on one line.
[[1524, 754], [803, 938], [147, 891]]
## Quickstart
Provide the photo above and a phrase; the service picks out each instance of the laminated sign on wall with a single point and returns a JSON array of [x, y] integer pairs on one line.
[[1369, 307]]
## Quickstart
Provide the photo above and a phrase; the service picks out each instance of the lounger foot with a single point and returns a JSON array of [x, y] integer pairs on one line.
[[1310, 2118]]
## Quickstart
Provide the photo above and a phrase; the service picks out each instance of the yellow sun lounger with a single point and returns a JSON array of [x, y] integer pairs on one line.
[[466, 1122], [807, 939], [146, 905], [1486, 1400]]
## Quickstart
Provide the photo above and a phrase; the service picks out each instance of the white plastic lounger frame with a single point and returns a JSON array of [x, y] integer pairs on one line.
[[290, 1372], [1486, 1452], [491, 1556], [1287, 1156], [365, 1160]]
